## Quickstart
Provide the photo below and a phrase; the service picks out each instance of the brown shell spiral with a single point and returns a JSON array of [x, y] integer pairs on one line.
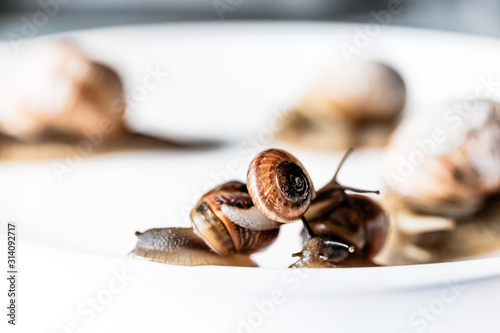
[[219, 232], [279, 185]]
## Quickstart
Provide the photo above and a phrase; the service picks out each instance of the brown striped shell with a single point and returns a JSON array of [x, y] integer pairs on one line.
[[279, 185], [227, 220]]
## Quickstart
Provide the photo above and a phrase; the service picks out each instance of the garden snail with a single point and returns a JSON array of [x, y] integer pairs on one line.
[[234, 220], [181, 246], [57, 90], [227, 228], [354, 105], [342, 229], [447, 163]]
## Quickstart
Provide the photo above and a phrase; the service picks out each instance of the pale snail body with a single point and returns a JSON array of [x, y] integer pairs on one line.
[[461, 170], [56, 90]]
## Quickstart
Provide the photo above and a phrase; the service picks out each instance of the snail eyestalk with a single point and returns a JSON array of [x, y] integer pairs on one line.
[[310, 233], [334, 184], [344, 158]]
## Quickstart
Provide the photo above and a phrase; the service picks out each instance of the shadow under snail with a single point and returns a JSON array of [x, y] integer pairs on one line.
[[234, 220]]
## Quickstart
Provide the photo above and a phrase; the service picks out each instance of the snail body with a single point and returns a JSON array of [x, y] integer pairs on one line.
[[342, 229], [181, 246]]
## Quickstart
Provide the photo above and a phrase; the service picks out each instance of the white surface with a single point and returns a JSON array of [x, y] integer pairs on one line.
[[226, 82]]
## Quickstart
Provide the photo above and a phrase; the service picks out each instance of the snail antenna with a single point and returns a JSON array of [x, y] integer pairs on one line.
[[307, 227], [346, 155], [334, 184]]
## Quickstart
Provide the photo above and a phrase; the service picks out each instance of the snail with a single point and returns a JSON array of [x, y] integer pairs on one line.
[[227, 229], [181, 246], [354, 105], [57, 90], [447, 163], [342, 229]]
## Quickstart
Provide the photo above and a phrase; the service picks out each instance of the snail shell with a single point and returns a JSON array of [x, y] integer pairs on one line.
[[181, 246], [448, 162], [362, 91], [227, 220], [356, 105], [279, 185], [56, 89]]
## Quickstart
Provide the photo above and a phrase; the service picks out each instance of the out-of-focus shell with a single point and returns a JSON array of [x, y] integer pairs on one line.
[[447, 163], [55, 88], [356, 105], [362, 91]]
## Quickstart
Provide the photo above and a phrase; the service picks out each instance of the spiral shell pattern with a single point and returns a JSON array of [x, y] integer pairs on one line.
[[279, 185]]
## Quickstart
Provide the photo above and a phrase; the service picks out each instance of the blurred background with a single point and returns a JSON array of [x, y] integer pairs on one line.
[[478, 17]]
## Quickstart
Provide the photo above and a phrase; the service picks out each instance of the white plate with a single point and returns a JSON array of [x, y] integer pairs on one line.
[[227, 82]]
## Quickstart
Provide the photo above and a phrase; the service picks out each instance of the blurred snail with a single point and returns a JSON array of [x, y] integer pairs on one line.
[[447, 163], [342, 229], [181, 246], [354, 105], [56, 90]]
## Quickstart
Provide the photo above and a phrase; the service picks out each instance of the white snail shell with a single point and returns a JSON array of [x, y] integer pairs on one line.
[[56, 88], [360, 92], [447, 163]]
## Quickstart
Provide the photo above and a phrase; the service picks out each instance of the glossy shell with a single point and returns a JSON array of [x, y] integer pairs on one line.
[[279, 185], [226, 219]]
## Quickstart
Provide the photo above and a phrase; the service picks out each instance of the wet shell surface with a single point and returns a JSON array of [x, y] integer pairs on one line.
[[279, 186]]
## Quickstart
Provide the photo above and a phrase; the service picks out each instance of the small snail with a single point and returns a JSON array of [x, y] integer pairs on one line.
[[447, 163], [351, 106], [228, 221], [56, 90], [341, 224], [321, 251], [181, 246], [279, 186]]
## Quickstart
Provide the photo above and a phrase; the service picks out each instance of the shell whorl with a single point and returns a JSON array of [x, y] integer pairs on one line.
[[279, 186], [214, 222]]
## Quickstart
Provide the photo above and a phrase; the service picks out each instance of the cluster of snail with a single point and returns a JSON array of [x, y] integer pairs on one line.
[[234, 220]]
